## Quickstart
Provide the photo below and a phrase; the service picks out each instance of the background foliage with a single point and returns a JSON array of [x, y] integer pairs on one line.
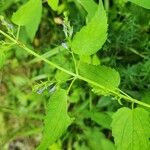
[[27, 85]]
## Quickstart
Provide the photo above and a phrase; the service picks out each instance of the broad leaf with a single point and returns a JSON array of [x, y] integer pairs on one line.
[[56, 120], [142, 3], [102, 75], [53, 4], [131, 129], [92, 36], [94, 60], [29, 15], [90, 6]]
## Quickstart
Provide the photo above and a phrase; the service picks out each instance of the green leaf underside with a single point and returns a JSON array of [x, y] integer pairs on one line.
[[92, 36], [131, 129], [101, 118], [142, 3], [105, 76], [56, 120], [29, 15], [90, 6], [53, 4]]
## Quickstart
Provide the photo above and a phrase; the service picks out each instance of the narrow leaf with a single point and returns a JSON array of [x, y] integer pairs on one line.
[[92, 36], [56, 120], [131, 129], [142, 3], [53, 4], [29, 15]]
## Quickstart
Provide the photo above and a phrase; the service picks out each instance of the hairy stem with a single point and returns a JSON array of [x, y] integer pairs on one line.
[[116, 93]]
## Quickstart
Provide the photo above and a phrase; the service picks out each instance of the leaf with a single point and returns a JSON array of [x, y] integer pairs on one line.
[[101, 118], [92, 36], [104, 76], [29, 15], [56, 120], [97, 140], [61, 77], [90, 6], [53, 4], [95, 60], [131, 129], [142, 3], [56, 146]]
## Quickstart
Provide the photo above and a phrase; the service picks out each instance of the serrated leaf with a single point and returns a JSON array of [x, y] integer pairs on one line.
[[131, 129], [56, 120], [142, 3], [90, 6], [104, 76], [92, 36], [53, 4], [29, 15], [94, 60], [61, 77]]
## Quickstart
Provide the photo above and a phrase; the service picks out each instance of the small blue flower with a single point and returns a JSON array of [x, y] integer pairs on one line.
[[64, 45], [41, 90], [10, 26], [52, 89]]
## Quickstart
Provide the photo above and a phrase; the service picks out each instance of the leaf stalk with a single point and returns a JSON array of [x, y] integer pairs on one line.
[[120, 94]]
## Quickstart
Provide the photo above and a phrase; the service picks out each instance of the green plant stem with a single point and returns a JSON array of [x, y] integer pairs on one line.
[[18, 32], [90, 102], [132, 106], [72, 54], [124, 93], [136, 52], [113, 92], [106, 3], [69, 147], [48, 54], [75, 63], [71, 84]]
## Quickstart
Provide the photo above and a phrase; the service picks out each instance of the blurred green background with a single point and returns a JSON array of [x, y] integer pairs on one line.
[[25, 82]]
